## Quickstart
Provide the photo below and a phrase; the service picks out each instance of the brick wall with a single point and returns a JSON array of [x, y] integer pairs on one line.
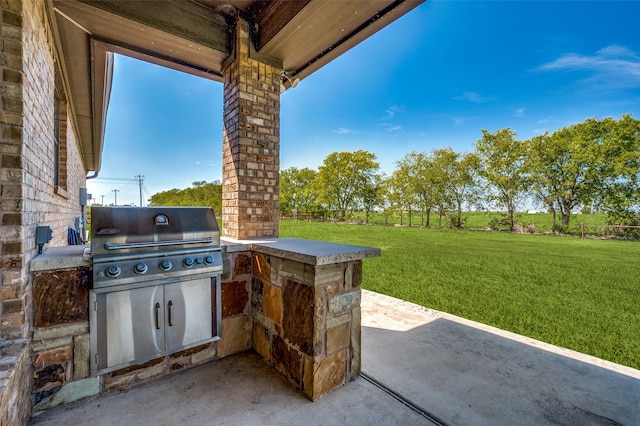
[[251, 145], [28, 195]]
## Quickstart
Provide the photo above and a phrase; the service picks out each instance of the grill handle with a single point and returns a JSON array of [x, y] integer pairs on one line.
[[124, 246], [157, 311]]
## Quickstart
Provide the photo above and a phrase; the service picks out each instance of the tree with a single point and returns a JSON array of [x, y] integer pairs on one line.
[[202, 194], [423, 183], [343, 178], [297, 190], [593, 161], [502, 160], [620, 197], [372, 195], [387, 198], [402, 191], [458, 176]]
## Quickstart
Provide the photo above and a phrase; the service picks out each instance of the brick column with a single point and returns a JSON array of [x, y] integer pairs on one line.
[[251, 145], [13, 293]]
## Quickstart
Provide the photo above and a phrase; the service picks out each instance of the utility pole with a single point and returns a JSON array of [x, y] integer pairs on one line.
[[102, 203], [140, 180], [115, 194]]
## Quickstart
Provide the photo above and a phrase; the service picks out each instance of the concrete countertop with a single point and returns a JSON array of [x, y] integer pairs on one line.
[[310, 252], [62, 257]]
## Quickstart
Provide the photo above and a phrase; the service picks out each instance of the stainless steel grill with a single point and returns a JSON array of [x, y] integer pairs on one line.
[[156, 282]]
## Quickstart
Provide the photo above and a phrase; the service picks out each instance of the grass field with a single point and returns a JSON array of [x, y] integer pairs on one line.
[[578, 294]]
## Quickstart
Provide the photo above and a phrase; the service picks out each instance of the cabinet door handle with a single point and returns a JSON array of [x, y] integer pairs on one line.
[[170, 312], [157, 315]]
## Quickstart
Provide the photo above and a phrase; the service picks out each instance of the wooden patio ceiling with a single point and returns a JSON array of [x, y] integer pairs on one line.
[[196, 36]]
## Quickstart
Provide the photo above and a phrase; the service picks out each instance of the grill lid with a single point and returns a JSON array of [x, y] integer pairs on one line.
[[116, 230]]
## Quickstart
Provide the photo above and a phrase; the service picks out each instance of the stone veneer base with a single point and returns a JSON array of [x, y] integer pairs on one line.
[[296, 302]]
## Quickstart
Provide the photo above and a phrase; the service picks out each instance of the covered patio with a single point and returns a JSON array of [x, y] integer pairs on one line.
[[296, 325]]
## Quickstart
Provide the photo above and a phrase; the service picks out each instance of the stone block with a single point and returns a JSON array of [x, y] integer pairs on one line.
[[11, 306], [40, 395], [262, 341], [348, 276], [132, 369], [242, 264], [329, 274], [272, 303], [81, 357], [257, 286], [119, 382], [333, 289], [338, 337], [227, 273], [324, 376], [12, 5], [287, 360], [48, 377], [11, 321], [42, 345], [344, 302], [293, 270], [136, 374], [70, 392], [71, 329], [356, 343], [357, 274], [234, 298], [298, 322], [261, 267], [8, 290], [61, 297], [152, 372], [52, 356], [206, 355], [336, 321], [236, 335]]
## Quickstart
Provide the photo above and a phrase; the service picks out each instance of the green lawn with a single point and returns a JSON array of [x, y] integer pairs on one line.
[[579, 294]]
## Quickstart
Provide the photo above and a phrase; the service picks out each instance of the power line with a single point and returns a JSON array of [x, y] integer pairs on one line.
[[111, 180]]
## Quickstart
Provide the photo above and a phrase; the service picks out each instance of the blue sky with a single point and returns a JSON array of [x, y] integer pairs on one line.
[[430, 80]]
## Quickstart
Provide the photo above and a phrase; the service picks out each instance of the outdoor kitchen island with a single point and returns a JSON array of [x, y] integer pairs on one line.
[[295, 302]]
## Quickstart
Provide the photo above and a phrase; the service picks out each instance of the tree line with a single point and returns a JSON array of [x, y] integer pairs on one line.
[[202, 193], [593, 166]]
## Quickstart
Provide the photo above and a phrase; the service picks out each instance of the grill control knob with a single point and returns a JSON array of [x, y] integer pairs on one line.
[[188, 262], [140, 268], [208, 260], [113, 271], [199, 260], [165, 265]]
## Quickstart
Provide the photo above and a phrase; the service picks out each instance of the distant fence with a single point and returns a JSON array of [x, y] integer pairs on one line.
[[308, 216], [614, 228]]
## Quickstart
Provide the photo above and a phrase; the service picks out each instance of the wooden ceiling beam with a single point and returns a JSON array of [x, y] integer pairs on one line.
[[274, 17], [187, 20]]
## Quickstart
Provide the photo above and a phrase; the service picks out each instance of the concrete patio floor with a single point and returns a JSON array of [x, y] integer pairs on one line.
[[420, 367]]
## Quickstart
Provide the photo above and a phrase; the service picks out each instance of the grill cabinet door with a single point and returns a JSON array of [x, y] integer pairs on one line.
[[134, 325], [187, 314]]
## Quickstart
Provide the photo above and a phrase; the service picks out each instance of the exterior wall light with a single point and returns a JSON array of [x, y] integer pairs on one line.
[[285, 76]]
